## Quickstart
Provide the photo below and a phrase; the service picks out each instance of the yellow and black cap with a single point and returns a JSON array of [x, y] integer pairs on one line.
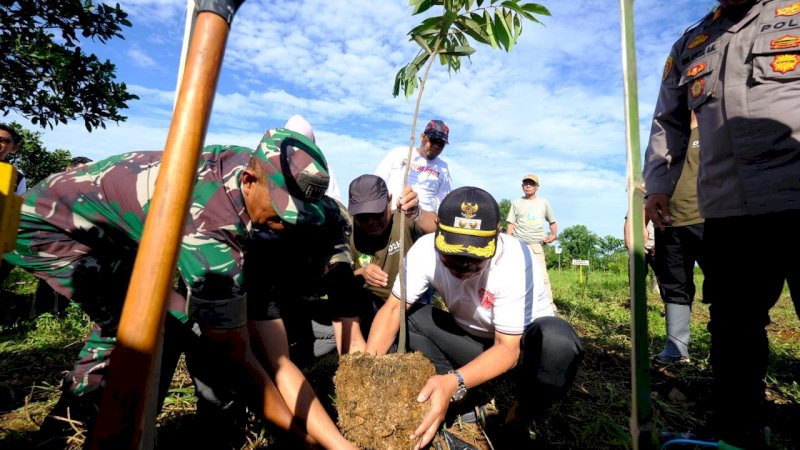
[[468, 224]]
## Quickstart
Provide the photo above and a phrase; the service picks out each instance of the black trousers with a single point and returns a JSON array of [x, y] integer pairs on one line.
[[743, 280], [677, 251], [549, 357]]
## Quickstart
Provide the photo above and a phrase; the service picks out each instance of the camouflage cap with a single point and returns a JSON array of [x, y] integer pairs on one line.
[[297, 175]]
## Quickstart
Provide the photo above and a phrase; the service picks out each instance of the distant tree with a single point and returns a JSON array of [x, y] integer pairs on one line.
[[611, 253], [578, 242], [46, 76], [35, 161], [610, 244], [505, 207]]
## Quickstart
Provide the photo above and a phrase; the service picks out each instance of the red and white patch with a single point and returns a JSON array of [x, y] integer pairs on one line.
[[487, 299], [696, 70]]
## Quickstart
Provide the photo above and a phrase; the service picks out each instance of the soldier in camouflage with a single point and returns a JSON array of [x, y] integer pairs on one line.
[[80, 231]]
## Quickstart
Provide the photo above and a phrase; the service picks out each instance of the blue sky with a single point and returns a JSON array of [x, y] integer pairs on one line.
[[553, 106]]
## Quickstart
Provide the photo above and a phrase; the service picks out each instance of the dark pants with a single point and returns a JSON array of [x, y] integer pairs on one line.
[[550, 352], [678, 248], [743, 280]]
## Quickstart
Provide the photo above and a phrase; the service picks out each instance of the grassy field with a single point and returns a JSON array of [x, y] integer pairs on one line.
[[595, 415]]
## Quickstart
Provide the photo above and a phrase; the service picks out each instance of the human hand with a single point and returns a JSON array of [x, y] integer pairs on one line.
[[548, 239], [374, 276], [656, 208], [438, 391], [409, 203]]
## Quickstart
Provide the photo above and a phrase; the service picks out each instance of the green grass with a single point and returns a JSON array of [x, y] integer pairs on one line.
[[34, 354]]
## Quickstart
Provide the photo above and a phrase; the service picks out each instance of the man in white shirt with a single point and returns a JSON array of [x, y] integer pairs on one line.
[[428, 175], [499, 316]]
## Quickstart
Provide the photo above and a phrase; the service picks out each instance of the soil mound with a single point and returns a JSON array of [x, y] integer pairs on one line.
[[376, 398]]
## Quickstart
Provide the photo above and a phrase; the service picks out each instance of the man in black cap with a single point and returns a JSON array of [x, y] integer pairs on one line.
[[428, 174], [498, 313], [375, 242]]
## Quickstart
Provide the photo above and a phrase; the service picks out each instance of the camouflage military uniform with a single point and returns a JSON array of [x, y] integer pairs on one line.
[[80, 230]]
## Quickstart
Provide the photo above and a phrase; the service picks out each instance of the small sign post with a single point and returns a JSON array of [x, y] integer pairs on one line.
[[580, 263], [558, 252]]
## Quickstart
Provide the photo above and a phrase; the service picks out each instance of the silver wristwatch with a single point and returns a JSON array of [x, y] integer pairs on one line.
[[462, 388]]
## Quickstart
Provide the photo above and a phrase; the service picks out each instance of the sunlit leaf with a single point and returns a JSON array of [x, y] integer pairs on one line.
[[536, 8], [501, 31], [420, 6], [458, 50], [488, 27], [472, 28]]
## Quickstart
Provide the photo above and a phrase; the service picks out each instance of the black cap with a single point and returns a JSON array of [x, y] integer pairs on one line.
[[468, 220], [436, 129], [368, 195]]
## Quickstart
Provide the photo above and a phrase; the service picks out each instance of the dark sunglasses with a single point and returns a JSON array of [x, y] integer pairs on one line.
[[438, 142]]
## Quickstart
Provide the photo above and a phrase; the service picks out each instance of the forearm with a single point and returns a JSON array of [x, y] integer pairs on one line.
[[295, 391], [235, 344], [510, 229], [385, 327], [554, 231], [427, 221], [349, 339], [493, 362], [306, 406]]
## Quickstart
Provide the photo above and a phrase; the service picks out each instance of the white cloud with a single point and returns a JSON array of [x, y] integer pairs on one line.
[[140, 58], [552, 106]]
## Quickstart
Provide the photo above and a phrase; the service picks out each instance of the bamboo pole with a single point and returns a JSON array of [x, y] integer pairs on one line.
[[120, 421], [403, 333], [641, 421]]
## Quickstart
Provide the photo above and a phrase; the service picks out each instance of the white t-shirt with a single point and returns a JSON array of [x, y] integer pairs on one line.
[[430, 179], [507, 296], [529, 217]]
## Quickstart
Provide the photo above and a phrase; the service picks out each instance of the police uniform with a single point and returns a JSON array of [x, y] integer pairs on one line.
[[739, 71]]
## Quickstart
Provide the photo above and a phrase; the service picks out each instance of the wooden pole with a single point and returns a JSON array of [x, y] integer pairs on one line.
[[641, 422], [120, 421]]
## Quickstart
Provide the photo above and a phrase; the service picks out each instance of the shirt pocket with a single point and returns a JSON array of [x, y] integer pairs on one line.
[[776, 57], [699, 77]]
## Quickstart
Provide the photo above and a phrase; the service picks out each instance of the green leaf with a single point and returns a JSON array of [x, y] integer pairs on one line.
[[458, 50], [420, 6], [431, 23], [489, 29], [508, 21], [536, 8], [447, 20], [472, 28], [513, 5], [501, 31]]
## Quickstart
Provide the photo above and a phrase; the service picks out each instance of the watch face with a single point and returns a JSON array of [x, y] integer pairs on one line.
[[459, 394]]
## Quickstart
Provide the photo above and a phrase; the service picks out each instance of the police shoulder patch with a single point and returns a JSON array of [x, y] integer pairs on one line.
[[667, 68]]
